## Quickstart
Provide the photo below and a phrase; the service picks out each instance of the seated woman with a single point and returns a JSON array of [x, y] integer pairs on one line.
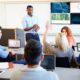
[[62, 48], [67, 31]]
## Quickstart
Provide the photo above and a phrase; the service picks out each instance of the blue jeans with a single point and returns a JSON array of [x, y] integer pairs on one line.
[[20, 62], [32, 36]]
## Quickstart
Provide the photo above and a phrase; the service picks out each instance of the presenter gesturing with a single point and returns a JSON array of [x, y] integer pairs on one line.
[[30, 24]]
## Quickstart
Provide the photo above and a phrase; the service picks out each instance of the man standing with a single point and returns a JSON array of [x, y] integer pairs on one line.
[[30, 25]]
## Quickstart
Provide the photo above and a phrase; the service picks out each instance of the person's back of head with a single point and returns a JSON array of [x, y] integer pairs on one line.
[[61, 41], [33, 52]]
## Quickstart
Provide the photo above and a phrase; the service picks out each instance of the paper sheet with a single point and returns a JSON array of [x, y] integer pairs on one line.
[[4, 65]]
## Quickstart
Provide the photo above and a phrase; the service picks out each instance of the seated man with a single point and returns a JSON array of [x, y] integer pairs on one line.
[[32, 70], [5, 55]]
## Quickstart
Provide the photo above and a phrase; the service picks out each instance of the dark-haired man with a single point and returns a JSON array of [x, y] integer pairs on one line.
[[31, 24], [32, 70]]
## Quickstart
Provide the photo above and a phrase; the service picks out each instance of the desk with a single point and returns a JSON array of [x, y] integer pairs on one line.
[[63, 73], [7, 73], [17, 52], [68, 73]]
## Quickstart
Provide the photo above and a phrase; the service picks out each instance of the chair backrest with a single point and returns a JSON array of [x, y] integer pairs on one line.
[[62, 62], [48, 62]]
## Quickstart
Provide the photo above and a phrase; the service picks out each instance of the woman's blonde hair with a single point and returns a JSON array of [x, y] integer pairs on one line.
[[61, 41]]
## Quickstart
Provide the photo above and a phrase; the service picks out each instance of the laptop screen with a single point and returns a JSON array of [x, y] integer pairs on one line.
[[49, 62], [78, 47], [12, 43]]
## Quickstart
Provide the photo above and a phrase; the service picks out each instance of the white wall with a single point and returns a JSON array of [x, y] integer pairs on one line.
[[75, 28], [11, 15], [2, 15]]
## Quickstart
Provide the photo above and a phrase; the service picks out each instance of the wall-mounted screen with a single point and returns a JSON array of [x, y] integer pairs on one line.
[[65, 13]]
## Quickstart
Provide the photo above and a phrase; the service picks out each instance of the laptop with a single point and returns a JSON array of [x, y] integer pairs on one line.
[[13, 43], [49, 62], [78, 47]]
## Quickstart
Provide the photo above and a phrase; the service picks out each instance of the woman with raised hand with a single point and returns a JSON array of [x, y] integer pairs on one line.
[[62, 48]]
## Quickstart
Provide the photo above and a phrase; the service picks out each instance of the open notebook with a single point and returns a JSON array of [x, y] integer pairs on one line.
[[12, 43]]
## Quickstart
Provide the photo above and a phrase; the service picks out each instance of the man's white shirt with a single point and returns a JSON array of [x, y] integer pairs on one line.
[[34, 74], [29, 21]]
